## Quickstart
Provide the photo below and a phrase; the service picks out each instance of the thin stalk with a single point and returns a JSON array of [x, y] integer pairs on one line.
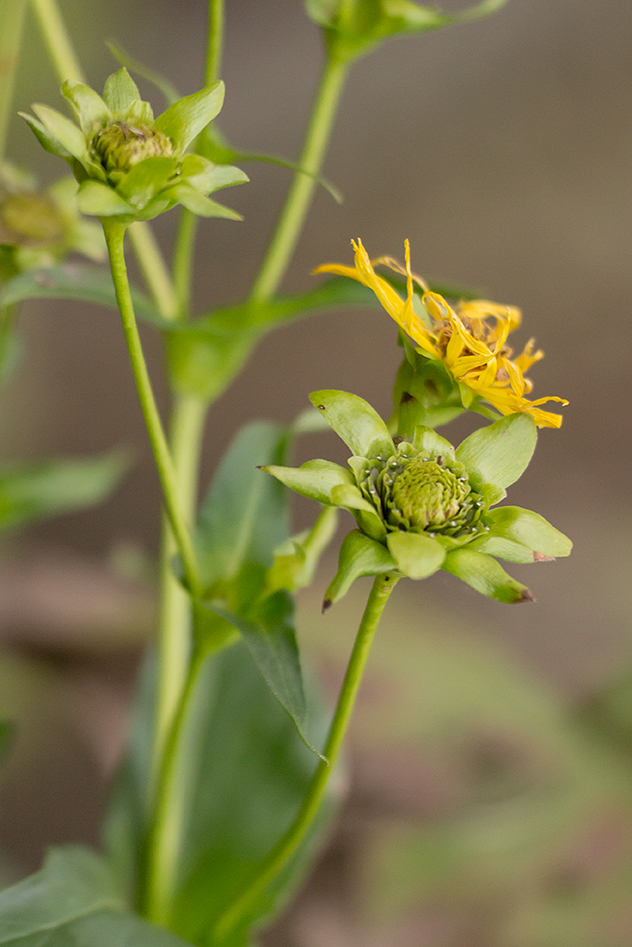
[[114, 236], [58, 45], [163, 844], [154, 269], [11, 24], [286, 847], [300, 194], [215, 41], [183, 261]]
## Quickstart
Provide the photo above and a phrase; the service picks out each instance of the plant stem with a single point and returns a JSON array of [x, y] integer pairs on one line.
[[11, 23], [165, 835], [183, 261], [215, 41], [288, 844], [114, 236], [58, 44], [300, 194], [154, 269]]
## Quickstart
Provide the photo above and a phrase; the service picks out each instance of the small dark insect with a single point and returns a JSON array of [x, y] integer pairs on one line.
[[131, 131]]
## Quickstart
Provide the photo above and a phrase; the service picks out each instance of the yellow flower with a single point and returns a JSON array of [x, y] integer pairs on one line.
[[470, 340]]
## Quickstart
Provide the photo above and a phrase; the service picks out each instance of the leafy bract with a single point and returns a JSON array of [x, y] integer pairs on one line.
[[355, 422]]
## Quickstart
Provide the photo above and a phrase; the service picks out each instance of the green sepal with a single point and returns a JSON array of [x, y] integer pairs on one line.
[[169, 91], [69, 135], [146, 179], [120, 91], [46, 140], [529, 529], [499, 453], [417, 555], [198, 203], [355, 422], [424, 393], [428, 441], [314, 479], [485, 575], [184, 120], [87, 104], [359, 555], [296, 559], [502, 548], [205, 176], [102, 201]]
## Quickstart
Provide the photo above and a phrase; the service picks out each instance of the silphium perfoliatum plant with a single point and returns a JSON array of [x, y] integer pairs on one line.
[[130, 165], [420, 505]]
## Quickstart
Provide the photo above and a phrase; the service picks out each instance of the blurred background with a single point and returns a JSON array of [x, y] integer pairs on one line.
[[491, 788]]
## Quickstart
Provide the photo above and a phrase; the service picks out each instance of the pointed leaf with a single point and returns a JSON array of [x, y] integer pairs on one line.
[[244, 516], [133, 65], [430, 442], [502, 548], [146, 179], [530, 529], [486, 576], [31, 492], [417, 555], [120, 91], [199, 204], [499, 453], [314, 479], [88, 106], [48, 142], [359, 555], [355, 421], [271, 639], [184, 120]]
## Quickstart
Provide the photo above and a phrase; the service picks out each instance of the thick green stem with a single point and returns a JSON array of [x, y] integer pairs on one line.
[[114, 236], [11, 23], [300, 194], [58, 44], [289, 843]]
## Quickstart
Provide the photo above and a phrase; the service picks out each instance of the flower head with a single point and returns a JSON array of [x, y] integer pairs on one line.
[[39, 227], [470, 340], [128, 164], [420, 505]]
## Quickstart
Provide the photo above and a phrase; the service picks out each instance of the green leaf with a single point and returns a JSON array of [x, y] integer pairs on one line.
[[296, 559], [486, 576], [355, 421], [74, 900], [184, 120], [499, 453], [416, 554], [48, 142], [72, 281], [169, 91], [271, 639], [101, 200], [314, 479], [502, 548], [244, 771], [430, 442], [206, 176], [120, 91], [244, 516], [202, 363], [359, 555], [88, 106], [31, 492], [530, 529]]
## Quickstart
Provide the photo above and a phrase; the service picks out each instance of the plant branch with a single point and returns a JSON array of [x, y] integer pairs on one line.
[[58, 45]]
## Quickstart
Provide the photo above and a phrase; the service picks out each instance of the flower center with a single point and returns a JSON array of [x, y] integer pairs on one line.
[[120, 146]]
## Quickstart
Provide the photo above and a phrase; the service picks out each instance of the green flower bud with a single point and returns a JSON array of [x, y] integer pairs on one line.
[[120, 146]]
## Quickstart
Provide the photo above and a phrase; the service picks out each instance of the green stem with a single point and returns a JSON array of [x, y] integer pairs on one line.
[[300, 194], [114, 236], [11, 23], [215, 41], [153, 268], [165, 836], [57, 41], [240, 909], [183, 261]]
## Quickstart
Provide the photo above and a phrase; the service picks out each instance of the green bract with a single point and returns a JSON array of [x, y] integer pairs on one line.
[[421, 505], [128, 164]]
